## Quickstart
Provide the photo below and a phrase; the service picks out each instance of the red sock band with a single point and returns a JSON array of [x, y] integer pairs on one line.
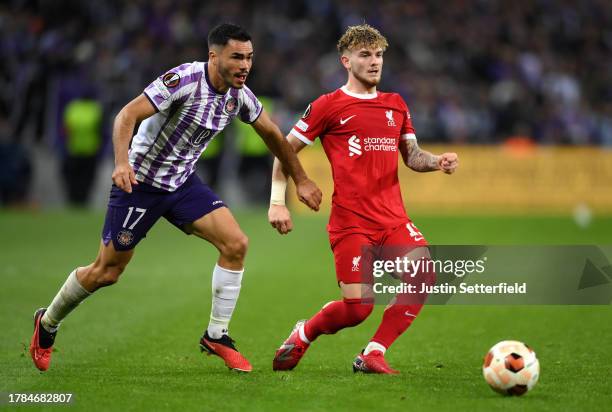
[[337, 315], [400, 316], [395, 321]]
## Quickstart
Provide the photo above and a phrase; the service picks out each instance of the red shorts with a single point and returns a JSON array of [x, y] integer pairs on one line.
[[356, 248]]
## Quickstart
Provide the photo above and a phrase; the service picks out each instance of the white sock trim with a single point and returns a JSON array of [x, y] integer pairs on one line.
[[372, 346], [303, 334], [235, 272], [77, 283]]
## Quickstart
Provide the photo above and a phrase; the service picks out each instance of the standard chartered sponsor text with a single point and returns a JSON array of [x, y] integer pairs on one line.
[[380, 144]]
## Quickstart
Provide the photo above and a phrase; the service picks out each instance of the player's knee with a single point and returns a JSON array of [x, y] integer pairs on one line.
[[235, 249], [358, 310], [109, 274]]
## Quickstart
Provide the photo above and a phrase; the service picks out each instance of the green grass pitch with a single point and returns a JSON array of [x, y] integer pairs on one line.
[[134, 346]]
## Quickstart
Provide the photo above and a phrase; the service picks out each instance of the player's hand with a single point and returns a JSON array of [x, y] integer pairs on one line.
[[124, 177], [448, 162], [309, 194], [280, 218]]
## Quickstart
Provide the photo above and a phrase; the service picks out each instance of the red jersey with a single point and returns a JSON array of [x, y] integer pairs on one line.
[[360, 134]]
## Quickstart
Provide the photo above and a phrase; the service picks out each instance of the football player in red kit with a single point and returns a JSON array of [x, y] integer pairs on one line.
[[361, 130]]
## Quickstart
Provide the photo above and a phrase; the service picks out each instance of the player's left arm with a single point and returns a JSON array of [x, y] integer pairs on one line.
[[307, 190], [421, 160], [416, 158]]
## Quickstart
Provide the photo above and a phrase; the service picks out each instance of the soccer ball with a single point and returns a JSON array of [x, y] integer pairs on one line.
[[511, 368]]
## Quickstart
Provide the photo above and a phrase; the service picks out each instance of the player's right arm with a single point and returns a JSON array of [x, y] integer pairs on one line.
[[135, 111], [278, 214], [311, 125]]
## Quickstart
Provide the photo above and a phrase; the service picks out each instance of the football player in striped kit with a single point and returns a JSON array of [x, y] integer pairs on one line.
[[179, 114]]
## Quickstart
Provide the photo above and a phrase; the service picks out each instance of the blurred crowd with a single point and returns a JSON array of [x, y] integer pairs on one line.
[[471, 71]]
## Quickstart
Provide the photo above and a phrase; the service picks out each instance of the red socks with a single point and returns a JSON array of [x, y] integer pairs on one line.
[[337, 315], [398, 317], [342, 314], [395, 321]]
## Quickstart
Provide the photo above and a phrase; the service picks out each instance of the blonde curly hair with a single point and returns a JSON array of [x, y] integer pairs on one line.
[[359, 36]]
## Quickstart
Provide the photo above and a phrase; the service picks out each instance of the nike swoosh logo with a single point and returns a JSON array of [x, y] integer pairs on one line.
[[342, 121]]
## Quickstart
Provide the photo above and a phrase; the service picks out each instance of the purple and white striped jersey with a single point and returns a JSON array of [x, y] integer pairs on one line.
[[190, 113]]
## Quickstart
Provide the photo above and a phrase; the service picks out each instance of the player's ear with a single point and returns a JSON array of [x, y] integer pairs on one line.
[[213, 54], [344, 59]]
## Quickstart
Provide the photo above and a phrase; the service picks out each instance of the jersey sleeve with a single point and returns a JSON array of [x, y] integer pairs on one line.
[[407, 131], [174, 86], [312, 124], [250, 106]]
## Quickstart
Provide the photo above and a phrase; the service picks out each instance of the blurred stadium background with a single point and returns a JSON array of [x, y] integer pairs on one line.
[[522, 90]]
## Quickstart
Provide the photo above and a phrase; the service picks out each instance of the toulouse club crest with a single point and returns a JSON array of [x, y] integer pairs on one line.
[[125, 237], [231, 106]]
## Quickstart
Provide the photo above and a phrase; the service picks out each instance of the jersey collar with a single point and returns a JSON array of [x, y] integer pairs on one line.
[[210, 85], [359, 95]]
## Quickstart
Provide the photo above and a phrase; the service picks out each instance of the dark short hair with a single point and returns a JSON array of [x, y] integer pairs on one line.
[[221, 34]]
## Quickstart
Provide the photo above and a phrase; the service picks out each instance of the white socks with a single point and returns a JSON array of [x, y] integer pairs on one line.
[[372, 346], [225, 288], [68, 298]]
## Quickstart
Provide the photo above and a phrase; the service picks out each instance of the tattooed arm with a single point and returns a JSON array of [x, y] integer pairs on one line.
[[420, 160]]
